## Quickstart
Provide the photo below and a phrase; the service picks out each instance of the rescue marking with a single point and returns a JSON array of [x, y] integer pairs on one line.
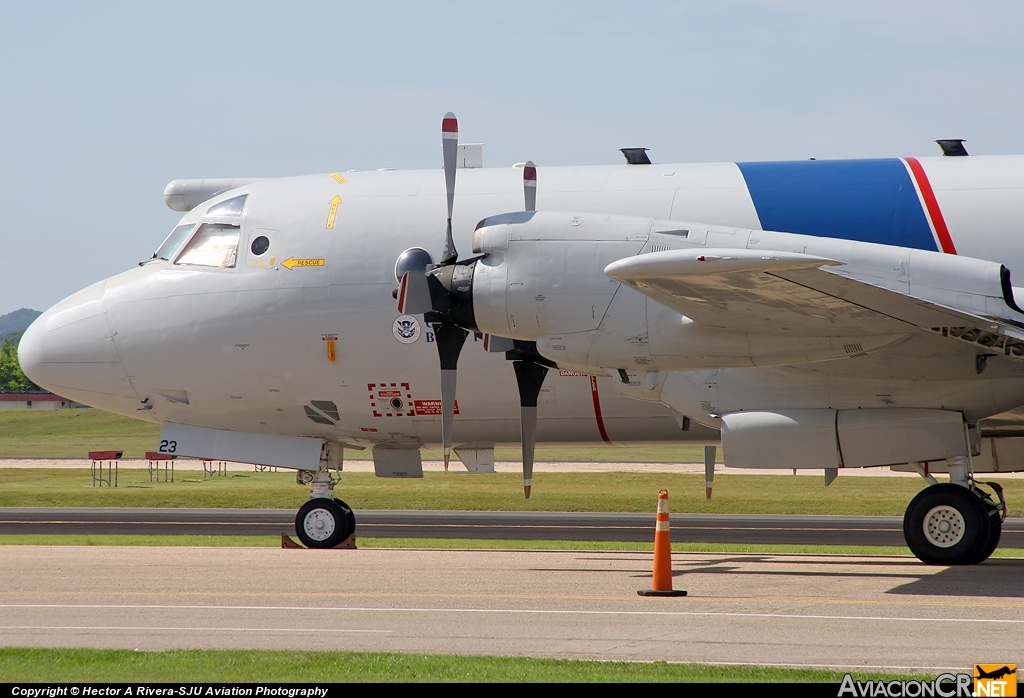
[[291, 262], [335, 202], [597, 409], [338, 178], [932, 206]]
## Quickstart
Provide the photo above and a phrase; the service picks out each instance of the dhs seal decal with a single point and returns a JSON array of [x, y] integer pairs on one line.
[[406, 329]]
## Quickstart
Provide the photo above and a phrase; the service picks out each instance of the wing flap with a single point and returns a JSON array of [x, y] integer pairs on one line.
[[754, 292]]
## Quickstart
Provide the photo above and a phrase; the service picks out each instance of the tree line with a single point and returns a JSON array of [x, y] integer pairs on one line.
[[12, 378]]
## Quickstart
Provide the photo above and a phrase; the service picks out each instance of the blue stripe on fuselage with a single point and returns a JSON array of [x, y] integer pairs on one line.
[[865, 200]]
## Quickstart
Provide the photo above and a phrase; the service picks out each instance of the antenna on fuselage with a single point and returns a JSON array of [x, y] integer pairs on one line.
[[952, 147]]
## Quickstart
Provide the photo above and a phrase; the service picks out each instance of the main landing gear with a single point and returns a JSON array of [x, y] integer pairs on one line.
[[323, 521], [954, 523]]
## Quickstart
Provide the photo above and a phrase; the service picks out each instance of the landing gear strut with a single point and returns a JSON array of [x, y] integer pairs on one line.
[[954, 524], [323, 521]]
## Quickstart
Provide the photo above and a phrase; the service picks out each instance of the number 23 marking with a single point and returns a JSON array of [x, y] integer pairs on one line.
[[168, 446]]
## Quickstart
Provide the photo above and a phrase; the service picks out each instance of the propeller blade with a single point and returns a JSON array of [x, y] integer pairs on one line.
[[530, 185], [495, 344], [414, 294], [709, 469], [450, 147], [530, 377], [449, 339]]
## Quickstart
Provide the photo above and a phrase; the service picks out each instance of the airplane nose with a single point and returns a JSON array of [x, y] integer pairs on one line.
[[70, 350]]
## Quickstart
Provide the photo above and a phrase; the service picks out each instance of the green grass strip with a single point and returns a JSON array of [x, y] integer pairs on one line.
[[595, 492], [229, 666], [73, 433], [468, 544]]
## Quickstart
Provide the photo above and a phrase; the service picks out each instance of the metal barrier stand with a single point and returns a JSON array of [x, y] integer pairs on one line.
[[98, 458], [153, 461], [212, 468]]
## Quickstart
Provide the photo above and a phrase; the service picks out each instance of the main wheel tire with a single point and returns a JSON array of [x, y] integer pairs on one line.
[[323, 523], [947, 524], [994, 533]]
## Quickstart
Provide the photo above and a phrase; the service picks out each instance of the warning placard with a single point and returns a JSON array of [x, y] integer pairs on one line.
[[430, 407]]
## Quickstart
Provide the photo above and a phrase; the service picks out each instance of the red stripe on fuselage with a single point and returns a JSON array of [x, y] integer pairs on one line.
[[932, 205], [597, 409]]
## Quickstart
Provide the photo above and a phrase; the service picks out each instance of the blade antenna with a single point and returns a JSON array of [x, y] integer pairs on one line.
[[450, 147], [530, 185]]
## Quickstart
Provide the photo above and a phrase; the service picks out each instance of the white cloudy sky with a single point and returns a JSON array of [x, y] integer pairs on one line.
[[101, 104]]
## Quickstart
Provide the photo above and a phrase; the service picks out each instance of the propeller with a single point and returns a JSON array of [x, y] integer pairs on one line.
[[530, 377], [529, 374], [531, 368], [444, 294], [530, 185], [450, 148], [448, 336]]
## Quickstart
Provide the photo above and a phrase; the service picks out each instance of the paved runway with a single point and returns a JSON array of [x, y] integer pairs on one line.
[[832, 611], [704, 528]]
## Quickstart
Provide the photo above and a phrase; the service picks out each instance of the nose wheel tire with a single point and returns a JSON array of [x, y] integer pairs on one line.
[[948, 524], [324, 523]]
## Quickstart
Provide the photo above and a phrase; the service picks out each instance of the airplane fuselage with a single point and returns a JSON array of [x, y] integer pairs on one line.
[[246, 347]]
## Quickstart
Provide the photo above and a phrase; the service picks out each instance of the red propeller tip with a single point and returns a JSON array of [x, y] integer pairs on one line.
[[401, 293], [450, 124], [530, 172]]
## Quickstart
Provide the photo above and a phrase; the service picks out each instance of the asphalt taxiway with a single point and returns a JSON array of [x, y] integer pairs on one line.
[[486, 525], [832, 611]]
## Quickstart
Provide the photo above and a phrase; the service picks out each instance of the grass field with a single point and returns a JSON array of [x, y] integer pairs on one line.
[[629, 492], [231, 666], [73, 433]]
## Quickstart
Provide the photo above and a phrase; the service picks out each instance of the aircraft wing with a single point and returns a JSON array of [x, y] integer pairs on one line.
[[772, 292]]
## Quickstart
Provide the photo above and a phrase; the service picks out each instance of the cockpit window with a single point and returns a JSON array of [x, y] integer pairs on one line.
[[213, 245], [174, 242], [229, 207]]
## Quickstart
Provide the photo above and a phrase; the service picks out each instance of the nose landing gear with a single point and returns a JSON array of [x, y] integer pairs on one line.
[[323, 521]]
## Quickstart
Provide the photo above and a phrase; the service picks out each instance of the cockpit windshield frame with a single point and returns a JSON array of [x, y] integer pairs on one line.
[[175, 241]]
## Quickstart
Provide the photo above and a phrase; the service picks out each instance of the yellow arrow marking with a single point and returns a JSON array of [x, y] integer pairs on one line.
[[335, 202], [337, 177], [292, 262]]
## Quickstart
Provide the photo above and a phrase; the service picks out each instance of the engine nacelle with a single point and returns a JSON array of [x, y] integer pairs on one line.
[[541, 279], [543, 272]]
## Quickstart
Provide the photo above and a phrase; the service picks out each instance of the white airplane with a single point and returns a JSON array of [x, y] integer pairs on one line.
[[813, 314]]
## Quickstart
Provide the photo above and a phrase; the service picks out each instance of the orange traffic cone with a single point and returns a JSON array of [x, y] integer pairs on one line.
[[661, 580]]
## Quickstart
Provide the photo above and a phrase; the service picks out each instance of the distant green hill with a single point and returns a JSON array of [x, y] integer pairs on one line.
[[17, 321]]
